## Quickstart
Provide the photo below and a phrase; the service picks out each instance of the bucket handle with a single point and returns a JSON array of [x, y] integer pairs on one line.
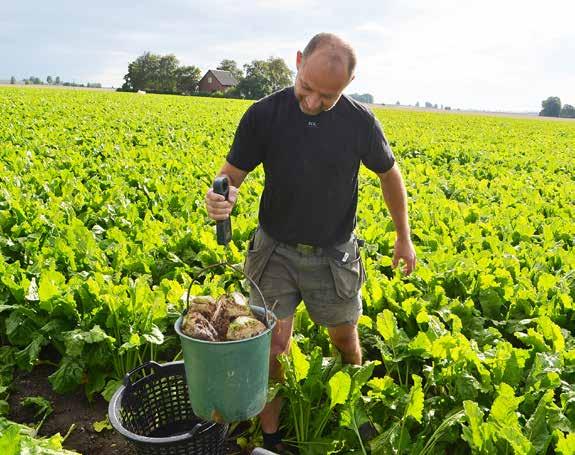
[[253, 283], [199, 427], [151, 364]]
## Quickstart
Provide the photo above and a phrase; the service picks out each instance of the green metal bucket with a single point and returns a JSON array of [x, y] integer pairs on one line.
[[228, 381]]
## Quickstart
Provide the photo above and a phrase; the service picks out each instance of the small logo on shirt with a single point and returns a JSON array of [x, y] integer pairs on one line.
[[313, 124]]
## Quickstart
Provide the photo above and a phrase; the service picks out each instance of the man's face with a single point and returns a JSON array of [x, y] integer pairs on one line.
[[319, 82]]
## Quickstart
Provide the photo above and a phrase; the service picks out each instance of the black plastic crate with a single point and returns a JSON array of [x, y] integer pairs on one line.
[[155, 415]]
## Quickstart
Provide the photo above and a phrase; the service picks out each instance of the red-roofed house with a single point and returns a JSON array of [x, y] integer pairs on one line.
[[217, 80]]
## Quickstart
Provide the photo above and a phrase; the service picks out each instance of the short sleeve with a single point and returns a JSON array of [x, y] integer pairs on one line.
[[377, 155], [247, 151]]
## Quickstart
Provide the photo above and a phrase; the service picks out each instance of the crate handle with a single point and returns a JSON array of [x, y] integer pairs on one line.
[[151, 364]]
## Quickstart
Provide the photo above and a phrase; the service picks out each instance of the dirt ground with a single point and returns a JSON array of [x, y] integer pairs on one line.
[[68, 410], [72, 409]]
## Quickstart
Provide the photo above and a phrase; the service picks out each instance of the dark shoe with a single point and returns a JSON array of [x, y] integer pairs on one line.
[[367, 431], [273, 442]]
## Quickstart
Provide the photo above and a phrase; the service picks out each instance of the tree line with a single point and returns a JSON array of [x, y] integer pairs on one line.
[[552, 108], [34, 80], [362, 97], [164, 74]]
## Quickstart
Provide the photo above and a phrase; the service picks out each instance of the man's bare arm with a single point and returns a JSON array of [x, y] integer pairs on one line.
[[395, 197], [235, 175]]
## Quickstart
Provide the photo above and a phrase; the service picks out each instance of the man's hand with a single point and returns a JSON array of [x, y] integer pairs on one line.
[[404, 250], [218, 208]]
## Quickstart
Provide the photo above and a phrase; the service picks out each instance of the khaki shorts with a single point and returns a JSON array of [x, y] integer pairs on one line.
[[286, 275]]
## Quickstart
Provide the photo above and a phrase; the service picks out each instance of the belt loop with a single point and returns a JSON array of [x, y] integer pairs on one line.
[[305, 249]]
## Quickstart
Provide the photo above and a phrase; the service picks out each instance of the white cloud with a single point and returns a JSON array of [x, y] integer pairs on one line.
[[484, 54], [248, 50], [287, 5], [498, 54], [112, 72], [373, 27]]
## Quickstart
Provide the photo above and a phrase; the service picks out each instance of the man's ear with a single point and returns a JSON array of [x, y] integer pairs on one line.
[[348, 82], [298, 59]]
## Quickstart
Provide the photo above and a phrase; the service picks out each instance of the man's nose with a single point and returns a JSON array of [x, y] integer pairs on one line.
[[314, 102]]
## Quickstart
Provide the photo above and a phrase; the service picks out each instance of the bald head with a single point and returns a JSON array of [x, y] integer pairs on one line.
[[335, 51], [324, 70]]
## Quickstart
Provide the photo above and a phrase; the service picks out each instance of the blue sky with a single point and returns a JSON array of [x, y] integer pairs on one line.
[[488, 54]]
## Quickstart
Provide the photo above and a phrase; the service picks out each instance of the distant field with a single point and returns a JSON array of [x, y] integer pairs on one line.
[[102, 226], [373, 106], [470, 112], [59, 87]]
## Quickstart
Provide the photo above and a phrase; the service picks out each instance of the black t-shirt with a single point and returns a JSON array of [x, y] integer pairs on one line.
[[311, 165]]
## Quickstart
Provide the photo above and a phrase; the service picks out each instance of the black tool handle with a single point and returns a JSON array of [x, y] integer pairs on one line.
[[223, 228]]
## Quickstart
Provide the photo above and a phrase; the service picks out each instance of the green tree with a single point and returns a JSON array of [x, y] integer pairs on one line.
[[12, 80], [232, 67], [256, 84], [188, 78], [167, 78], [263, 77], [551, 107], [280, 75], [143, 73], [57, 80], [49, 80], [365, 98], [160, 74], [567, 111], [35, 80]]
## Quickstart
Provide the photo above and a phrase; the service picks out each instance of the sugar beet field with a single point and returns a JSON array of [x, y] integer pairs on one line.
[[103, 224]]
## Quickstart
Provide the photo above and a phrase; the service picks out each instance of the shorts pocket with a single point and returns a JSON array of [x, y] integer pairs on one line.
[[348, 276], [260, 249]]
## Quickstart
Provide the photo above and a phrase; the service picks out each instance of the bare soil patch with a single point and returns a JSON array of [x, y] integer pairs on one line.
[[73, 409]]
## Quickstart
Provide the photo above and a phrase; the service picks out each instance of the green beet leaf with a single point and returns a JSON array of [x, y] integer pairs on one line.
[[338, 388], [415, 404]]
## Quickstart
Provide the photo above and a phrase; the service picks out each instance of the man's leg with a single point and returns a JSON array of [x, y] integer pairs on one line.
[[345, 338], [281, 338]]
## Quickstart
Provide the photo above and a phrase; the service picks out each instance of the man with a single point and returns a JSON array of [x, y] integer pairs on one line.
[[311, 141]]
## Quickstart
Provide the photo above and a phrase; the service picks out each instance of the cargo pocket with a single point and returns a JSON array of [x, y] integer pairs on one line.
[[348, 276], [260, 249]]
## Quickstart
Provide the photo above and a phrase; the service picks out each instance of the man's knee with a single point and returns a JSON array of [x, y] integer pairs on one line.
[[281, 339], [344, 337], [279, 347], [346, 340]]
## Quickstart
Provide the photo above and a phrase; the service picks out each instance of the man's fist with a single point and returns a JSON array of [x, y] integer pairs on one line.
[[218, 208]]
